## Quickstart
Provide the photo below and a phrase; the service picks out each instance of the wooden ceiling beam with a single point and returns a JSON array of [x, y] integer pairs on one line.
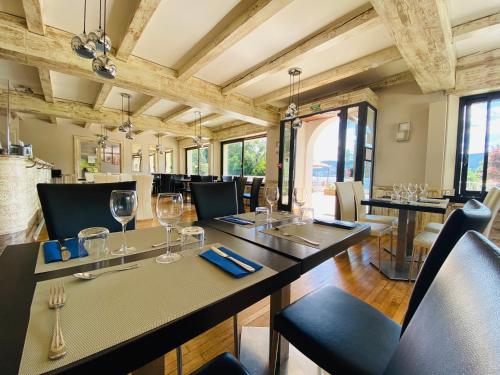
[[357, 21], [421, 30], [239, 22], [84, 113], [478, 73], [472, 28], [238, 131], [34, 16], [176, 113], [102, 95], [52, 52], [146, 105], [207, 118], [349, 69], [46, 83], [227, 125], [143, 13]]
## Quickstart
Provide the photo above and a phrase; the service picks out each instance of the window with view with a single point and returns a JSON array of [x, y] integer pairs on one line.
[[478, 151], [192, 165], [245, 157], [169, 161]]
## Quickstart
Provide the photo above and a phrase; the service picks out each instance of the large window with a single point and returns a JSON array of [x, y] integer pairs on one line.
[[197, 161], [478, 148], [169, 161], [245, 157]]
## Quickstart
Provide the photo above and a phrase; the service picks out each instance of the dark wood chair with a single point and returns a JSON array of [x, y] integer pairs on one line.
[[240, 190], [253, 196]]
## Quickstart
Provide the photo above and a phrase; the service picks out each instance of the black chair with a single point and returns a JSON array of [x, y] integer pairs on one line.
[[207, 178], [195, 178], [241, 182], [165, 183], [253, 196], [446, 335], [214, 199], [178, 185], [156, 183], [345, 335], [69, 208], [227, 178]]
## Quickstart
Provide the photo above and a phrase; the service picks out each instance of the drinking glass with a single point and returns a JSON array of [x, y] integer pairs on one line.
[[423, 190], [397, 189], [123, 205], [93, 241], [169, 209], [412, 190], [272, 194], [300, 197], [192, 237], [261, 214], [307, 215]]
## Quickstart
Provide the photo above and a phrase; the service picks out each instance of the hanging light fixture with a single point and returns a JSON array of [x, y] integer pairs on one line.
[[101, 40], [103, 65], [292, 112], [127, 125], [198, 140], [102, 138], [129, 135], [159, 147], [82, 44]]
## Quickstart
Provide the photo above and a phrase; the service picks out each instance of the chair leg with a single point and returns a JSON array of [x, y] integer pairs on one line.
[[236, 333], [178, 352], [276, 362], [411, 264]]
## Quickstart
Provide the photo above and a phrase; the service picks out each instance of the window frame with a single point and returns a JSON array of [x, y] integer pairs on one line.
[[242, 141], [186, 159], [460, 180]]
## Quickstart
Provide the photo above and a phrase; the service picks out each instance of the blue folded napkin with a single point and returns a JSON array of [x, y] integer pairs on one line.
[[236, 220], [228, 265], [52, 250]]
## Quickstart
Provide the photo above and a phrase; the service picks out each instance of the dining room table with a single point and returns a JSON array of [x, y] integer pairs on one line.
[[399, 269]]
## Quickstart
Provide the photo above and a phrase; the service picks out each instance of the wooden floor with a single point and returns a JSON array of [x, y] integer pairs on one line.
[[350, 271]]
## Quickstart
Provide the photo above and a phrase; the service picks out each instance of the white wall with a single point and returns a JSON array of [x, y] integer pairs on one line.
[[54, 143]]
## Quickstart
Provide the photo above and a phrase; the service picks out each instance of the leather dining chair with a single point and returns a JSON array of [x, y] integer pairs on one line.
[[241, 182], [69, 208], [227, 178], [253, 196], [446, 335]]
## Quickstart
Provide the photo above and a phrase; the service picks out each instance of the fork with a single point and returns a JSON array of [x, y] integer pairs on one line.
[[296, 236], [57, 299]]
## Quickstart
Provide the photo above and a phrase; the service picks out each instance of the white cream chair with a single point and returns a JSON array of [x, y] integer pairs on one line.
[[143, 188], [126, 177], [347, 204]]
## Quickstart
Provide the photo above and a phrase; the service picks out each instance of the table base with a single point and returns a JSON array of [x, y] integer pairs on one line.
[[393, 270]]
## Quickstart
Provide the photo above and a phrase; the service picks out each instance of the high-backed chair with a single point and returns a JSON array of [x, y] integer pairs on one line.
[[361, 215], [214, 199], [69, 208], [447, 334], [253, 196], [347, 204], [207, 178], [240, 190], [165, 183], [195, 178], [227, 178], [143, 185]]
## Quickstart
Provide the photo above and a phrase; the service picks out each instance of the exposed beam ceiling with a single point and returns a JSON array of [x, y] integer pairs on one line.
[[176, 113], [422, 32], [355, 22], [141, 17], [478, 73], [52, 52], [469, 29], [228, 125], [46, 83], [84, 113], [238, 131], [88, 125], [34, 16], [205, 119], [360, 65], [146, 105], [102, 95], [239, 22]]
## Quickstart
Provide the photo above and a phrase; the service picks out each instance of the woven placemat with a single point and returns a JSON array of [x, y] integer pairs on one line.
[[276, 215], [120, 306], [141, 239], [325, 235]]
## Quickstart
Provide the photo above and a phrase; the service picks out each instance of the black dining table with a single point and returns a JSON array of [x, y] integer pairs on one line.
[[400, 268]]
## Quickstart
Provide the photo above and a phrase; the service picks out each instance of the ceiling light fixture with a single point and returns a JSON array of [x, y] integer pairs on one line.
[[159, 147], [81, 44], [126, 126], [292, 112], [102, 138], [98, 36], [103, 65], [198, 140]]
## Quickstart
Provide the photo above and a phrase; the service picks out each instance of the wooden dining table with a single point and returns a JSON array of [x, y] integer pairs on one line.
[[284, 261]]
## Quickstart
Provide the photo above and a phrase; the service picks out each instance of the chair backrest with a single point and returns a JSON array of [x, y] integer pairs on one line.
[[69, 208], [456, 328], [473, 216], [227, 178], [345, 195], [492, 201], [143, 187], [206, 179], [359, 195], [240, 190], [166, 183], [126, 177], [214, 199], [254, 193], [195, 178]]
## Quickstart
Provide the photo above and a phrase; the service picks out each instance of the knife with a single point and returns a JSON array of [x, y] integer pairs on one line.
[[246, 267]]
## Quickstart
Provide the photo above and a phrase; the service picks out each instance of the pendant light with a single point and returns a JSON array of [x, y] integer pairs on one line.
[[292, 112], [159, 147], [102, 138], [197, 125], [82, 44], [98, 36], [103, 65], [126, 126], [129, 135]]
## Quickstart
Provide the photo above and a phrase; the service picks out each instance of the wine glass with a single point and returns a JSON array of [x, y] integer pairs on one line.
[[272, 195], [397, 190], [169, 209], [300, 197], [423, 190], [123, 205], [412, 190]]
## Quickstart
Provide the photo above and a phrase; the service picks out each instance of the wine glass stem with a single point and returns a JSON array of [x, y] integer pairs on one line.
[[124, 237], [168, 229], [270, 210]]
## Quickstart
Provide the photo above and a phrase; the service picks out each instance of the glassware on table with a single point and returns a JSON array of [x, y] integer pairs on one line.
[[395, 196], [123, 205], [299, 198], [423, 190], [192, 237], [397, 188], [261, 214], [169, 209], [307, 215], [93, 241], [272, 194], [412, 190]]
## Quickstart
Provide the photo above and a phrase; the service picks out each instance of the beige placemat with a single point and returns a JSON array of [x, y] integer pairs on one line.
[[276, 215], [141, 239], [325, 235], [117, 307]]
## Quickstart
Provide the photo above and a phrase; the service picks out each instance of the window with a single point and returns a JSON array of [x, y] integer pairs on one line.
[[245, 157], [478, 148], [169, 161], [195, 166], [152, 159]]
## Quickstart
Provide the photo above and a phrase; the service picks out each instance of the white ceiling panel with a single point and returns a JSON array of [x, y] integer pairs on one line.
[[189, 115], [479, 42], [296, 21], [74, 88], [114, 99], [14, 7], [20, 75], [218, 121], [338, 54], [161, 108], [176, 26], [468, 10]]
